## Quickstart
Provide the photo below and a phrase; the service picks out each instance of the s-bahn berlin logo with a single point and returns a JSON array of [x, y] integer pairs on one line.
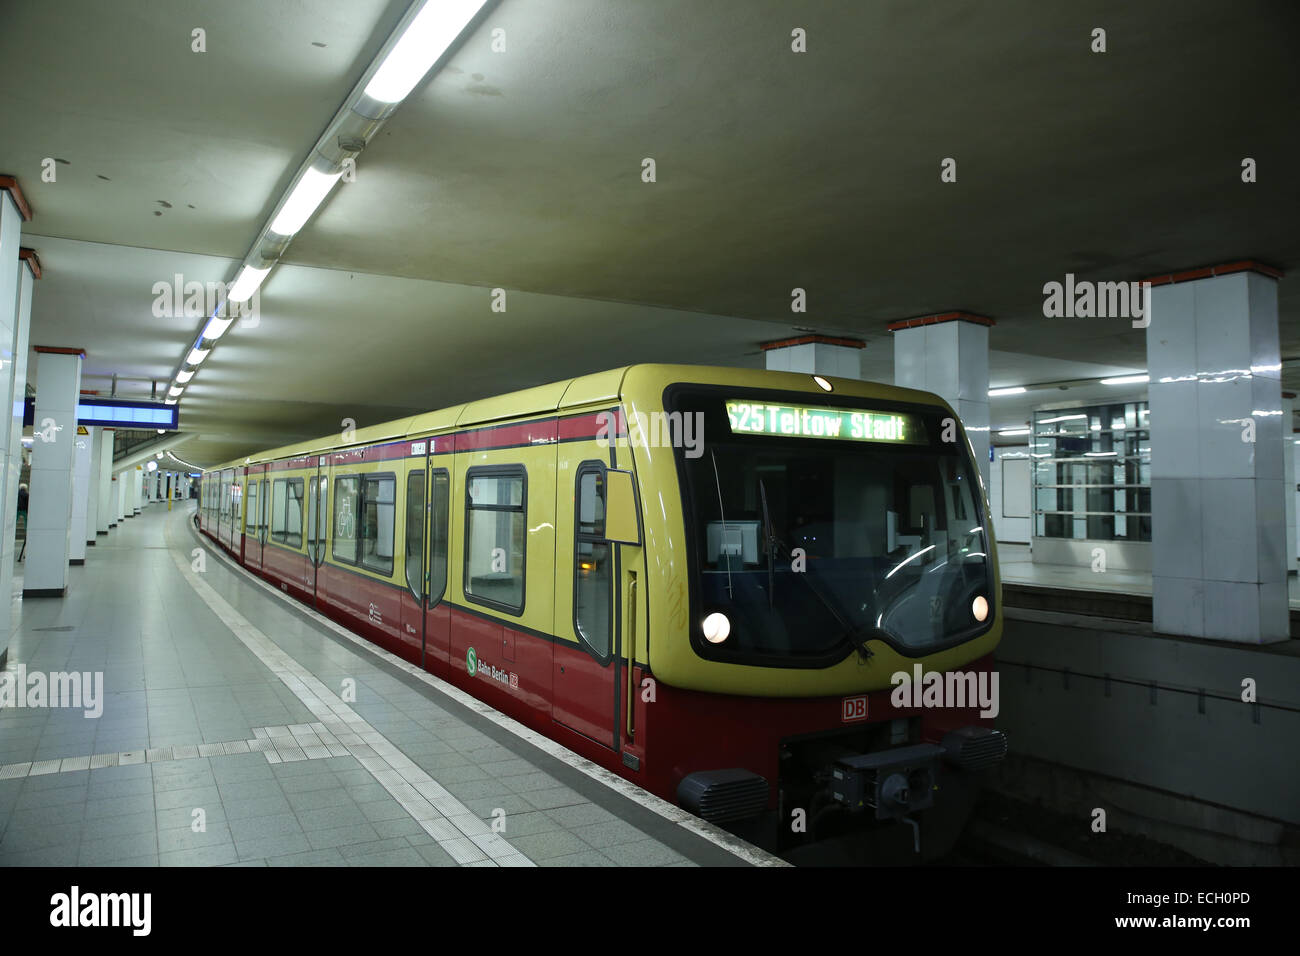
[[474, 667]]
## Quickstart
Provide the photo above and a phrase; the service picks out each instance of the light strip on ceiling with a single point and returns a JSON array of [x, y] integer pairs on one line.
[[309, 193], [426, 32], [1010, 390], [425, 40], [245, 284], [1127, 380]]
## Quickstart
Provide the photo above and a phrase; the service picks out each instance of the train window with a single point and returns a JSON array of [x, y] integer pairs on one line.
[[253, 512], [286, 511], [441, 502], [345, 519], [495, 536], [378, 507], [592, 561], [415, 533]]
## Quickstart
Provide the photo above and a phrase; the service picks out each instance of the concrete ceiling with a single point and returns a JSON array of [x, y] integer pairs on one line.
[[522, 170]]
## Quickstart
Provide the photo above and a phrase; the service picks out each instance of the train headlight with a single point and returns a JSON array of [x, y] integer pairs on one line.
[[716, 627], [979, 607]]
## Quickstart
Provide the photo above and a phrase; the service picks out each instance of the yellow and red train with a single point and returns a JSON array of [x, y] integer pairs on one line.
[[704, 579]]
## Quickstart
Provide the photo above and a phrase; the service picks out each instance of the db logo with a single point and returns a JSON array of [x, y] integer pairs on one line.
[[854, 708], [514, 680]]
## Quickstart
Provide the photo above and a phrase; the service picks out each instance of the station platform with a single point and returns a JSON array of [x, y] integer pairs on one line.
[[225, 702]]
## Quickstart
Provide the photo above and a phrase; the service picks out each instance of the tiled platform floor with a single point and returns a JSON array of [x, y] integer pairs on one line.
[[221, 699]]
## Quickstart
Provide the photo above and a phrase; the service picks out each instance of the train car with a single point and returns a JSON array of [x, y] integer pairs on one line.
[[728, 586]]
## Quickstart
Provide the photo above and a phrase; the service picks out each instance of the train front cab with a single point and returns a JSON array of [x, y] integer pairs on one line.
[[789, 577]]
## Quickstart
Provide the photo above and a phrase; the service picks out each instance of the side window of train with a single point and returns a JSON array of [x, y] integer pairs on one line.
[[378, 514], [316, 511], [286, 511], [593, 562], [345, 519], [441, 504], [252, 507], [415, 533], [496, 529]]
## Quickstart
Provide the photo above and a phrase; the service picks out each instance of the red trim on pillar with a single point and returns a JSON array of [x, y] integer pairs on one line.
[[59, 350], [813, 339], [33, 262], [10, 185], [936, 319], [1207, 272]]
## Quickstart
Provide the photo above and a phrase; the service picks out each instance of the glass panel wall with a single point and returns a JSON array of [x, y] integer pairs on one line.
[[1092, 472]]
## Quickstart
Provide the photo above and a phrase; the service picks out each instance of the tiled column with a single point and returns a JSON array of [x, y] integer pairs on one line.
[[1288, 478], [119, 497], [94, 493], [80, 495], [136, 501], [16, 280], [49, 509], [106, 518], [816, 355], [1218, 522], [948, 354]]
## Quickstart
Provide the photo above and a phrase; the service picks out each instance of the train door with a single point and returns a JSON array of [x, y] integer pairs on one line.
[[317, 523], [254, 522], [586, 686], [426, 618]]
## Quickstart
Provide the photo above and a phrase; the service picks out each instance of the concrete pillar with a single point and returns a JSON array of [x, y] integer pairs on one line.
[[137, 490], [107, 516], [94, 493], [17, 275], [119, 503], [1218, 515], [816, 355], [948, 354], [80, 518], [49, 515], [1288, 479]]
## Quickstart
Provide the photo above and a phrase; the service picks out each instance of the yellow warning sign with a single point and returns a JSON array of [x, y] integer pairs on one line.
[[82, 430]]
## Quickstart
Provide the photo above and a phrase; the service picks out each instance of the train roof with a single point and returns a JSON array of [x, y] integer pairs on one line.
[[576, 392]]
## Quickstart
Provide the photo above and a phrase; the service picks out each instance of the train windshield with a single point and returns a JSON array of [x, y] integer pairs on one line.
[[815, 529]]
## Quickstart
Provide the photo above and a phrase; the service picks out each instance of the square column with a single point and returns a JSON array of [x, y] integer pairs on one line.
[[948, 355], [18, 270], [92, 489], [106, 515], [81, 456], [816, 355], [49, 520], [1218, 512], [1288, 478]]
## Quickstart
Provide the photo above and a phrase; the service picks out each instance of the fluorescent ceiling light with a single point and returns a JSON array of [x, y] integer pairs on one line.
[[425, 40], [297, 209], [170, 401], [216, 328], [1014, 431], [1100, 454], [1013, 390], [246, 283], [1063, 418], [1127, 380], [184, 376], [175, 391], [196, 356]]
